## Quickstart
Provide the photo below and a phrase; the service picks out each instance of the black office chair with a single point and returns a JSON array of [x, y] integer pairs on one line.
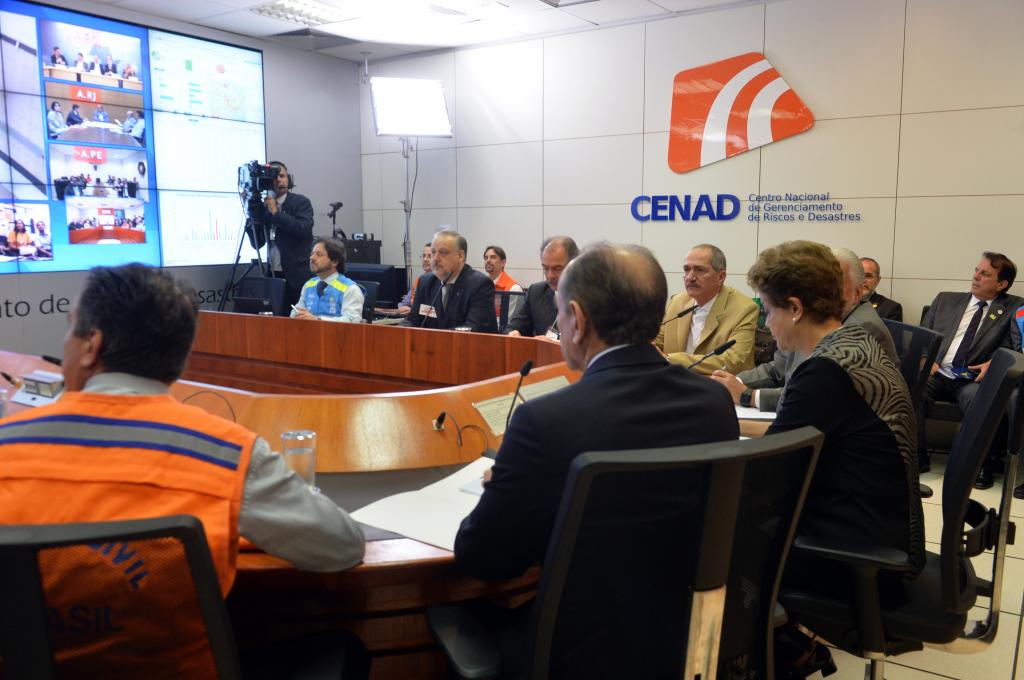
[[634, 581], [916, 348], [931, 609], [174, 557], [260, 294], [369, 289], [505, 301]]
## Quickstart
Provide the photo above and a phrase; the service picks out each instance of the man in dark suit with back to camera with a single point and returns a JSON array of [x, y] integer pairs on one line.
[[886, 308], [290, 218], [452, 295], [973, 326], [536, 316], [610, 302]]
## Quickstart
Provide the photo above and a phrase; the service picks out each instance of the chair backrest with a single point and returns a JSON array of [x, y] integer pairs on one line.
[[917, 348], [137, 598], [256, 294], [634, 579], [369, 289], [970, 447], [504, 298]]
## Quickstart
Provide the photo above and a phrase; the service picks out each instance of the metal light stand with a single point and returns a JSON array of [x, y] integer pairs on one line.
[[407, 149]]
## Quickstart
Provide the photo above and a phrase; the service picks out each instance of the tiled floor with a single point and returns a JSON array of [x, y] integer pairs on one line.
[[1004, 660]]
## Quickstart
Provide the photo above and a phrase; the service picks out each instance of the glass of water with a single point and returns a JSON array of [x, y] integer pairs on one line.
[[299, 450]]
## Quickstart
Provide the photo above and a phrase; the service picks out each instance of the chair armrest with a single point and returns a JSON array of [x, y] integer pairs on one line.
[[470, 651], [870, 556]]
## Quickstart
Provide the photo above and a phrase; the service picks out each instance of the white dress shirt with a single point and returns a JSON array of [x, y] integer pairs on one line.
[[700, 318], [945, 366]]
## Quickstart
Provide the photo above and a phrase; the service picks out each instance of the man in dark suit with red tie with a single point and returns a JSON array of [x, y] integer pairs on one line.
[[973, 325], [453, 295]]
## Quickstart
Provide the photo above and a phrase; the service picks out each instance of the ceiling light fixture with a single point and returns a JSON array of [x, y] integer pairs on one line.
[[302, 12]]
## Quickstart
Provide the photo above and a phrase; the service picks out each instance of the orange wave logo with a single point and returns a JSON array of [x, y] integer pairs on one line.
[[728, 107]]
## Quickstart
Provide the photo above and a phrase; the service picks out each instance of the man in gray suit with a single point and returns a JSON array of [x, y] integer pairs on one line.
[[973, 325], [761, 386]]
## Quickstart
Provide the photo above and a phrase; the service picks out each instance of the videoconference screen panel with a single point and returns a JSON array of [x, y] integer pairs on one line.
[[120, 143]]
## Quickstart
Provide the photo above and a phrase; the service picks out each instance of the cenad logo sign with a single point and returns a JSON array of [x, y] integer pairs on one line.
[[720, 110], [728, 107]]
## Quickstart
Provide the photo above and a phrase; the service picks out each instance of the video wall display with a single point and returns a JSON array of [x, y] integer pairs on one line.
[[120, 143]]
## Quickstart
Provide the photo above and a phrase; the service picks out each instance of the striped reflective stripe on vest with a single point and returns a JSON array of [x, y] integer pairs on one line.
[[79, 430]]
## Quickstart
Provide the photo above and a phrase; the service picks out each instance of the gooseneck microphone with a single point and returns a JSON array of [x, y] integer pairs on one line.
[[681, 314], [53, 360], [523, 372], [721, 349], [439, 426], [433, 303]]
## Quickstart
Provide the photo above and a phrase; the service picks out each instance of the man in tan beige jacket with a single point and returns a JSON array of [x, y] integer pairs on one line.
[[720, 313]]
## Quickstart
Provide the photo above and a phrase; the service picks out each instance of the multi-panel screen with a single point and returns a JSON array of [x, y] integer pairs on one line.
[[120, 143]]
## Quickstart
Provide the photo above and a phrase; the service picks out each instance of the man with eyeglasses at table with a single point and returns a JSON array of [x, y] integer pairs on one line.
[[536, 316], [456, 296]]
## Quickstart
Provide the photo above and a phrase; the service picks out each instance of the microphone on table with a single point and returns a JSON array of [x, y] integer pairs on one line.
[[439, 425], [433, 303], [721, 349], [681, 314], [523, 372]]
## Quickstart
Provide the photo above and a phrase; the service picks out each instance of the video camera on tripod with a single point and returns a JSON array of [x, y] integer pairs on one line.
[[253, 179]]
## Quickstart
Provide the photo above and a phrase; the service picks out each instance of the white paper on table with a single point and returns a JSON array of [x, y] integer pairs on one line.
[[748, 413], [432, 514]]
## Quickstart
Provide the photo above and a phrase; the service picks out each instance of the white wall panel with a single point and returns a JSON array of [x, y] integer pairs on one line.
[[593, 83], [590, 223], [371, 165], [944, 237], [677, 44], [499, 94], [435, 182], [963, 55], [517, 230], [962, 152], [670, 241], [598, 170], [914, 294], [842, 58], [500, 175], [848, 157], [737, 175], [870, 237]]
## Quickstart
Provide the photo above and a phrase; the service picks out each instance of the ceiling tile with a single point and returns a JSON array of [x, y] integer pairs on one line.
[[353, 52], [245, 22], [546, 21], [691, 5], [183, 10], [612, 11]]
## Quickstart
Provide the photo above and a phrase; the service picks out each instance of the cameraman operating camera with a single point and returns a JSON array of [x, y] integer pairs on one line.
[[290, 218]]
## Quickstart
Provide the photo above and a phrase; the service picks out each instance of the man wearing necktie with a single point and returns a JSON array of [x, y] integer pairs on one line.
[[973, 325], [452, 295], [330, 295]]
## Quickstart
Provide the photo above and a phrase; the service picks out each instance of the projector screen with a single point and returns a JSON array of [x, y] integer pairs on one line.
[[120, 143]]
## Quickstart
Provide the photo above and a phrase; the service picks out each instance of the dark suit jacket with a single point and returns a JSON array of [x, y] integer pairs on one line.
[[770, 378], [631, 398], [470, 303], [537, 313], [293, 229], [886, 308], [948, 308]]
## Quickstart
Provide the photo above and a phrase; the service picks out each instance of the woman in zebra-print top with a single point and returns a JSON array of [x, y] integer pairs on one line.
[[865, 488]]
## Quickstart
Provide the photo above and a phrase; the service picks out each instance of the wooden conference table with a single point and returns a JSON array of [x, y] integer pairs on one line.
[[370, 393]]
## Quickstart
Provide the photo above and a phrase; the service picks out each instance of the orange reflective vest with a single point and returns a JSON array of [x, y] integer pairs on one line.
[[503, 282], [95, 457]]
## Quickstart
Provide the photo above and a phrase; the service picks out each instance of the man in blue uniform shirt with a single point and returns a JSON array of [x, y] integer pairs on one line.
[[330, 295]]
